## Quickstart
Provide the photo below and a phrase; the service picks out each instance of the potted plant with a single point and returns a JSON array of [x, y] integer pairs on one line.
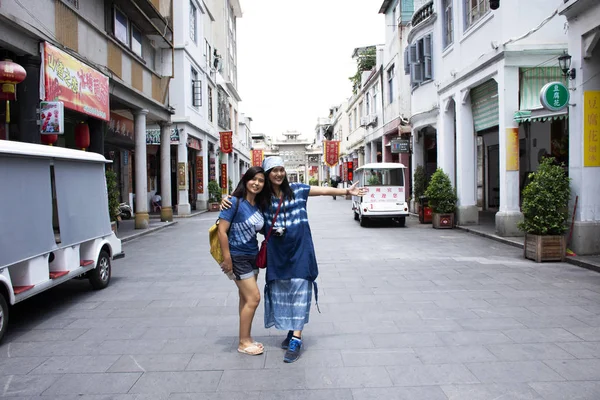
[[442, 199], [545, 212], [214, 196], [113, 198], [420, 184]]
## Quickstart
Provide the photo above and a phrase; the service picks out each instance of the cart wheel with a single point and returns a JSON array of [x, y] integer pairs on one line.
[[3, 316], [100, 276], [363, 221], [127, 215], [402, 222], [356, 216]]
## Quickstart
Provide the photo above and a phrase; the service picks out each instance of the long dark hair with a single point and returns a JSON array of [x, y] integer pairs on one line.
[[262, 198], [285, 188]]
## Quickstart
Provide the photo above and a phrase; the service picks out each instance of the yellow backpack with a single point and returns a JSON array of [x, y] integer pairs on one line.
[[213, 237]]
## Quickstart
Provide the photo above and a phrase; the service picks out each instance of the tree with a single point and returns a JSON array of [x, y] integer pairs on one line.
[[366, 60]]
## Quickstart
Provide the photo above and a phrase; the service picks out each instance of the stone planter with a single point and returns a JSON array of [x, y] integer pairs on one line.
[[213, 206], [545, 248], [443, 221]]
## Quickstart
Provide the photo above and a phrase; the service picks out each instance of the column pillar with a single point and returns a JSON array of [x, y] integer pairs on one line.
[[361, 157], [445, 139], [166, 211], [374, 151], [508, 98], [183, 203], [466, 185], [142, 219]]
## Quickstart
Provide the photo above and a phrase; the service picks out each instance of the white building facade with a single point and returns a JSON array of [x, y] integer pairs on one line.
[[471, 69]]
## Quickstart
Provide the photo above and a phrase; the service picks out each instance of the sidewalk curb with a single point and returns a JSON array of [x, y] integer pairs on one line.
[[194, 214], [147, 231], [568, 259]]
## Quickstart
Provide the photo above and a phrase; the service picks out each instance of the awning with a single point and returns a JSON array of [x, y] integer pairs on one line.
[[539, 115], [532, 82]]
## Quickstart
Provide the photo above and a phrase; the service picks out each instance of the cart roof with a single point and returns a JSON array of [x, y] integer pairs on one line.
[[381, 166], [45, 151]]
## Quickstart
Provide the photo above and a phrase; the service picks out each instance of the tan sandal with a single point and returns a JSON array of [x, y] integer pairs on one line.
[[252, 350]]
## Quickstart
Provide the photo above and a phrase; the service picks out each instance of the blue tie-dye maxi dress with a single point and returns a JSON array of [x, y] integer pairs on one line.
[[291, 263]]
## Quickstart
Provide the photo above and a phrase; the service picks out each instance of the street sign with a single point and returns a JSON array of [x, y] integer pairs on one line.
[[554, 96], [400, 146]]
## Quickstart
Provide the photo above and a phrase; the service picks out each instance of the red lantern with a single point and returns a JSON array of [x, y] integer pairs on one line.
[[82, 136], [10, 75], [49, 139]]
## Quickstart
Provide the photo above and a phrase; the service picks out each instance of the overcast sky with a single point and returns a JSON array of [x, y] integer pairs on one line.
[[295, 58]]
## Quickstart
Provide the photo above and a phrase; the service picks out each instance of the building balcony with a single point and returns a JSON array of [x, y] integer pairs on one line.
[[422, 14], [146, 15]]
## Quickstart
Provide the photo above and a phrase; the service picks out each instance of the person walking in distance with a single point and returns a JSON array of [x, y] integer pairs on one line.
[[291, 262], [240, 246]]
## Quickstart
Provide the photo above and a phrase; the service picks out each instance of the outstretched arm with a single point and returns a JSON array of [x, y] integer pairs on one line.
[[331, 191]]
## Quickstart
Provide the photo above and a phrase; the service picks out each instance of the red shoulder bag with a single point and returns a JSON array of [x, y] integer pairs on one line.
[[261, 257]]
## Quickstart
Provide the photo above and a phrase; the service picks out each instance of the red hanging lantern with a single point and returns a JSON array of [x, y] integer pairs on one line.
[[82, 136], [49, 139], [10, 75]]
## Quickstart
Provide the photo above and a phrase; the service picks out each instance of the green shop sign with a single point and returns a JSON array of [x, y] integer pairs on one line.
[[554, 96]]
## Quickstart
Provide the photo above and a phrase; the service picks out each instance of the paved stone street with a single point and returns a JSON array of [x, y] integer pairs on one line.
[[406, 313]]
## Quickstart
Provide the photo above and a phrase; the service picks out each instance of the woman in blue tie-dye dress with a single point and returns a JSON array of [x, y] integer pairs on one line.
[[291, 262]]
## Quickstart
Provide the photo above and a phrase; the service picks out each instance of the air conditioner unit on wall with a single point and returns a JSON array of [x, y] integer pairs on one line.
[[373, 119], [364, 121]]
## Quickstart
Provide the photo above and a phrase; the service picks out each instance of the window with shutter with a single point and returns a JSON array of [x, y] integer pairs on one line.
[[197, 85], [427, 50], [406, 61]]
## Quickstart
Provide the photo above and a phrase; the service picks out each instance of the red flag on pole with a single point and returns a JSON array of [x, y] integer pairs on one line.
[[332, 152], [226, 142]]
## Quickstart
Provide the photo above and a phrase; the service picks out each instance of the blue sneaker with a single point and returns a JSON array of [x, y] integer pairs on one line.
[[286, 342], [293, 352]]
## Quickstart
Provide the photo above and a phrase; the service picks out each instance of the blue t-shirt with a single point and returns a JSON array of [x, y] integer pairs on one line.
[[247, 221], [292, 255]]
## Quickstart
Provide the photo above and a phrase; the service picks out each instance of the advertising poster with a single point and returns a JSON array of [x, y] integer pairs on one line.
[[199, 174], [591, 129], [226, 142], [512, 149], [78, 86]]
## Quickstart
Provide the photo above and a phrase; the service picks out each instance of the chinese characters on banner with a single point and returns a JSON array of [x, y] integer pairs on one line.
[[226, 142], [383, 194], [512, 149], [332, 152], [181, 176], [78, 86], [199, 174], [257, 157], [344, 171], [224, 177], [591, 129], [350, 171], [313, 171]]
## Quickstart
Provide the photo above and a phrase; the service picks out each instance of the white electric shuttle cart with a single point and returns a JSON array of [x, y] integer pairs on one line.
[[54, 221], [385, 197]]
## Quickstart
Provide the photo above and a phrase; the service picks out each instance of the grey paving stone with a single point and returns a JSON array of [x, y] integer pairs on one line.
[[48, 335], [577, 370], [25, 385], [528, 352], [453, 354], [251, 380], [560, 321], [75, 364], [399, 393], [92, 384], [311, 358], [513, 391], [19, 365], [346, 377], [517, 371], [568, 390], [379, 357], [318, 394], [151, 362], [560, 310], [339, 342], [488, 324], [399, 340], [217, 396], [177, 382], [381, 326], [540, 335], [582, 349], [453, 313], [472, 338], [586, 333], [213, 344], [428, 375]]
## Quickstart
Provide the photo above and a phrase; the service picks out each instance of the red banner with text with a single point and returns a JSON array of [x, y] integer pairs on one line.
[[332, 152], [199, 174], [226, 142], [257, 158], [224, 176], [350, 170]]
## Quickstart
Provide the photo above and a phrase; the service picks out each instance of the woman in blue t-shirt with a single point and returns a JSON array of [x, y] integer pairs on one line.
[[237, 235]]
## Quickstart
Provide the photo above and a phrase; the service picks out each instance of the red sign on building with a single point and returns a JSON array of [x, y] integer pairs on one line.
[[224, 176], [350, 171], [332, 152], [199, 174], [226, 142], [257, 158]]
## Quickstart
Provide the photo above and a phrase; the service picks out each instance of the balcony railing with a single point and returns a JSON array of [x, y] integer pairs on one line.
[[422, 14]]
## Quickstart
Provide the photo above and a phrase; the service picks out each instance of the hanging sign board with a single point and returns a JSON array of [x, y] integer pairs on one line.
[[400, 146], [554, 96]]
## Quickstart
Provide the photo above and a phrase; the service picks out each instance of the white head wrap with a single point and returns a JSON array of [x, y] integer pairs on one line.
[[272, 162]]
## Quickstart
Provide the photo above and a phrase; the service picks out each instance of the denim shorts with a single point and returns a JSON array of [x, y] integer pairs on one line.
[[244, 266]]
